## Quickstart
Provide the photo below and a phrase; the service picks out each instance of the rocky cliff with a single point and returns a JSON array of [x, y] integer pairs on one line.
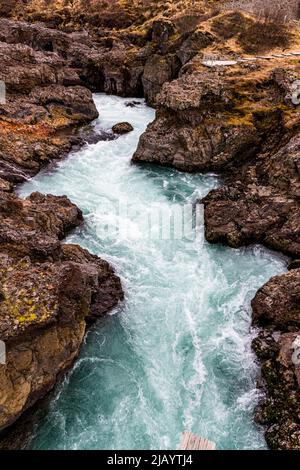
[[239, 120], [49, 292]]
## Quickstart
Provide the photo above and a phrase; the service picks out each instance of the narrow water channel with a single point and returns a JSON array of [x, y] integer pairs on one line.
[[176, 356]]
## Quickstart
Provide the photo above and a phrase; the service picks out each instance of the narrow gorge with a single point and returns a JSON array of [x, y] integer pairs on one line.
[[124, 106]]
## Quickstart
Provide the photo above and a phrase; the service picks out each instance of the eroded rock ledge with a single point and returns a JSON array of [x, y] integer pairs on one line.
[[276, 307]]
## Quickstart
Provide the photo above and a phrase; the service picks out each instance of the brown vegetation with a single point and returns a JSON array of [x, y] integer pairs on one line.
[[110, 14], [230, 25]]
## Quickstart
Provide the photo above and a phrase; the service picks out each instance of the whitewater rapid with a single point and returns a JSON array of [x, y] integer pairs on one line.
[[177, 354]]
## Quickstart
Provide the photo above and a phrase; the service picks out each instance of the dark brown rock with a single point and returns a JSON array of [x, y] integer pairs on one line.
[[276, 306], [280, 409], [194, 43], [263, 207], [158, 70], [35, 226], [162, 30], [192, 131], [239, 215], [295, 264], [37, 119]]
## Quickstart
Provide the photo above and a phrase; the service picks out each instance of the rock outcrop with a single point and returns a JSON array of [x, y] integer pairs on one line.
[[261, 207], [40, 111], [278, 302], [122, 128]]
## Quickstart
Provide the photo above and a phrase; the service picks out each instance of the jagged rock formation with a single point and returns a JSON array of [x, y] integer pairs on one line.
[[39, 112], [48, 294], [241, 121], [276, 308]]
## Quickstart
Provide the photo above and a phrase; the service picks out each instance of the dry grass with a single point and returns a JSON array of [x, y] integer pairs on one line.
[[273, 10], [230, 25], [267, 33]]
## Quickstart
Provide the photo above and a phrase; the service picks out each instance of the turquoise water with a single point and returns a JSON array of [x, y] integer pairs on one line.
[[176, 355]]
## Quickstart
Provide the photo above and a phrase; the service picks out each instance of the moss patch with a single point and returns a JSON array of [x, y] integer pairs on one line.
[[29, 294]]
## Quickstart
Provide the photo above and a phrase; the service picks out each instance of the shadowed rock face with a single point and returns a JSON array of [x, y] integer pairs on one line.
[[34, 226], [262, 207], [39, 107], [278, 302]]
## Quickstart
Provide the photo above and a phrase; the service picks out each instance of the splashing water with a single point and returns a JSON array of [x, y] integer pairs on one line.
[[177, 355]]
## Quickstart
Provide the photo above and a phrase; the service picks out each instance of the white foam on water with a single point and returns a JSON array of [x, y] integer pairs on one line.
[[177, 355]]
